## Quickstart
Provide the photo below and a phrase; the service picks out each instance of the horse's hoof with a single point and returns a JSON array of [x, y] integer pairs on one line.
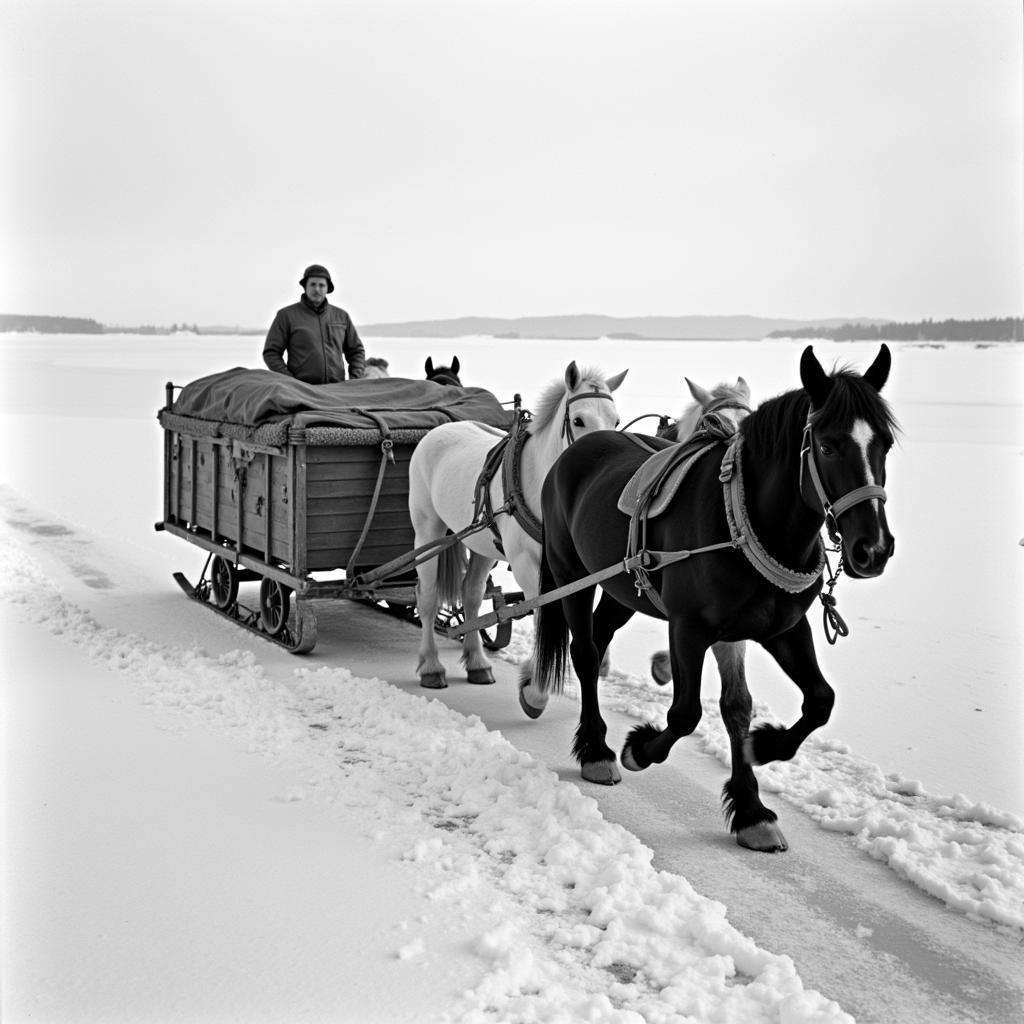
[[433, 681], [531, 711], [661, 668], [765, 837], [628, 761], [480, 675], [604, 773]]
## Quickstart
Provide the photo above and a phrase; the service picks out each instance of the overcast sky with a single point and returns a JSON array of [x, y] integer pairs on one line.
[[184, 160]]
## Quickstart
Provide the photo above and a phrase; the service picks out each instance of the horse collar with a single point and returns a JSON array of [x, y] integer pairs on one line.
[[742, 532], [831, 510]]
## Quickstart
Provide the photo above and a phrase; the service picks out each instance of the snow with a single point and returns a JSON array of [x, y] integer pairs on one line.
[[191, 834]]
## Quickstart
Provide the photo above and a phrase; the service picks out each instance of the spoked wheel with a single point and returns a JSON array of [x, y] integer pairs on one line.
[[275, 602], [223, 583]]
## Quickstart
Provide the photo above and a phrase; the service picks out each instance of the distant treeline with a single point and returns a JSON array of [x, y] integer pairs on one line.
[[1005, 328], [80, 325], [49, 324]]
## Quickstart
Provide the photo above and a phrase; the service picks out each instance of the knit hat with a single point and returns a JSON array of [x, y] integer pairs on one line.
[[315, 270]]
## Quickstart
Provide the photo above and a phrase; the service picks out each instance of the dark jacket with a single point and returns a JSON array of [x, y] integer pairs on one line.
[[317, 343]]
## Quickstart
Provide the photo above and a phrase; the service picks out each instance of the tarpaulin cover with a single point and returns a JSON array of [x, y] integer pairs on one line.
[[255, 397]]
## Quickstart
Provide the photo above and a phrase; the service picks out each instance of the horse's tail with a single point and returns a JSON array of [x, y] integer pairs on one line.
[[451, 567], [551, 636]]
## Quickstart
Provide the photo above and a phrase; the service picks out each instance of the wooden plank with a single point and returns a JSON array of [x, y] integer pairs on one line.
[[300, 456], [215, 468], [192, 504], [339, 523]]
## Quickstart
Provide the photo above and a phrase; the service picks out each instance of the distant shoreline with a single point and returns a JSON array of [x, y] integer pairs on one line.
[[590, 327]]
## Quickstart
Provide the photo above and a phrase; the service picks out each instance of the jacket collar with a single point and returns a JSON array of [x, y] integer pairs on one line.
[[309, 305]]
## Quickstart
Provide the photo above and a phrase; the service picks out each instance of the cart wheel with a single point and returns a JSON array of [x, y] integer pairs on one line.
[[223, 583], [275, 599]]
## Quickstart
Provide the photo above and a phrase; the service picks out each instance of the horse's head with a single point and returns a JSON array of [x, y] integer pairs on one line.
[[443, 374], [582, 403], [849, 431], [728, 402]]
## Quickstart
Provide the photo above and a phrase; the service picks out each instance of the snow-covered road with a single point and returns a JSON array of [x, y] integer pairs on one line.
[[855, 930]]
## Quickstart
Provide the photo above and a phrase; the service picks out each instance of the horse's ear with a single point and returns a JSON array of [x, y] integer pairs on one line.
[[455, 364], [816, 382], [572, 376], [701, 395], [743, 387], [614, 382], [878, 372], [429, 366]]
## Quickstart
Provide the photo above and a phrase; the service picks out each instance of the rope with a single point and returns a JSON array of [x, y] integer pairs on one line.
[[387, 455], [741, 530]]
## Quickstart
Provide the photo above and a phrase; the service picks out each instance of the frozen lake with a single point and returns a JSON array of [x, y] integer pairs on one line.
[[928, 683]]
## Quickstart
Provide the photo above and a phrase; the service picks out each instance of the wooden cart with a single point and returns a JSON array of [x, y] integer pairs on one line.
[[310, 511]]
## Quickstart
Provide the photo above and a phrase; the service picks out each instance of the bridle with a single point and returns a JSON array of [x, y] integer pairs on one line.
[[567, 431], [832, 510]]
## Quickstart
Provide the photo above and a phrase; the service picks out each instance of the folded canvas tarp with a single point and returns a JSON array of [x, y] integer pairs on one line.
[[258, 397]]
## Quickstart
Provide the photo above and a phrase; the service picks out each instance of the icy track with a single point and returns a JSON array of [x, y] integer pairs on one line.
[[969, 855]]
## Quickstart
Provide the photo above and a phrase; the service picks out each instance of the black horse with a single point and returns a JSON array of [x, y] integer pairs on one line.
[[443, 374], [737, 555]]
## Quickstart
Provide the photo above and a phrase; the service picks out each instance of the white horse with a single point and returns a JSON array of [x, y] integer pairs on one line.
[[444, 472], [376, 367], [728, 401]]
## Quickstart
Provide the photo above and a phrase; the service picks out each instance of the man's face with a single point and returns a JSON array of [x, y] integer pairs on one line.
[[316, 289]]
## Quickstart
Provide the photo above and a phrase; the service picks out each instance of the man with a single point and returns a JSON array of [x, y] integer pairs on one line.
[[318, 338]]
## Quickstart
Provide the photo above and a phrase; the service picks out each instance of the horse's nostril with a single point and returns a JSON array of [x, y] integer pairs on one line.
[[861, 553]]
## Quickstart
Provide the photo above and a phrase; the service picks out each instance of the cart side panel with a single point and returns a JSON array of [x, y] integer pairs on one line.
[[340, 482]]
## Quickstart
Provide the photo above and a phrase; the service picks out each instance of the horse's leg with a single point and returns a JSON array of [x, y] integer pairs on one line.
[[752, 822], [609, 617], [427, 525], [597, 759], [525, 565], [430, 667], [646, 744], [794, 651], [478, 667]]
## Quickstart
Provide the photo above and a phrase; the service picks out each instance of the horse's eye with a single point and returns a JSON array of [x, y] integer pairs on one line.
[[617, 422], [826, 449], [577, 421]]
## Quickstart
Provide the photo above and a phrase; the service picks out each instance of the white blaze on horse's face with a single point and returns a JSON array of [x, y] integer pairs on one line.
[[862, 435]]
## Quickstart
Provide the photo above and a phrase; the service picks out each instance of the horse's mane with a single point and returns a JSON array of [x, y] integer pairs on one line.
[[551, 397], [851, 398]]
